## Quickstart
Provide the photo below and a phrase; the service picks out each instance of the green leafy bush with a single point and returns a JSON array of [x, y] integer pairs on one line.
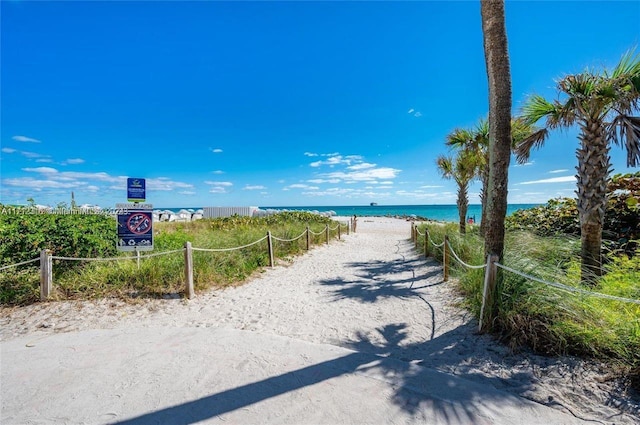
[[621, 227]]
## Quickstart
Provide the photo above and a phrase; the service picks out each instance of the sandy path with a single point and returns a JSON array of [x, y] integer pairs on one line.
[[371, 293]]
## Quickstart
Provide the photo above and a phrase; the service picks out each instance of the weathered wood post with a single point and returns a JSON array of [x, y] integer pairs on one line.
[[412, 231], [188, 270], [326, 232], [426, 243], [488, 293], [445, 258], [416, 238], [46, 274], [308, 239], [339, 235], [270, 248], [348, 228], [138, 257]]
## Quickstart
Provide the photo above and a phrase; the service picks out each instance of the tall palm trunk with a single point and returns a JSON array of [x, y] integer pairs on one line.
[[499, 78], [463, 206], [483, 201], [593, 176]]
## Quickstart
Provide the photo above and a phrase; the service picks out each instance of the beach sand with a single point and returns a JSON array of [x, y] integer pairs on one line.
[[369, 299]]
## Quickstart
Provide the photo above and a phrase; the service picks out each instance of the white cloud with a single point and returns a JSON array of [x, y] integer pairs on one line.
[[45, 160], [43, 170], [220, 184], [254, 187], [564, 179], [73, 161], [8, 150], [301, 186], [217, 150], [217, 172], [187, 192], [526, 164], [557, 171], [25, 139], [430, 187], [369, 175], [417, 114], [410, 111], [38, 184], [310, 154], [337, 159], [321, 181], [32, 155], [361, 166], [217, 189]]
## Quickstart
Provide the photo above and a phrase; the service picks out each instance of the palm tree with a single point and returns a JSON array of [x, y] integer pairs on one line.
[[499, 80], [477, 140], [600, 104], [462, 170]]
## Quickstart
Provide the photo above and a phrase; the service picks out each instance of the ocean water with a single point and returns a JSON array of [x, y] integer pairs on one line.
[[433, 212]]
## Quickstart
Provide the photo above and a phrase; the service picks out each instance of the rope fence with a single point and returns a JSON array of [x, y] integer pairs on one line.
[[46, 257], [491, 273], [20, 264]]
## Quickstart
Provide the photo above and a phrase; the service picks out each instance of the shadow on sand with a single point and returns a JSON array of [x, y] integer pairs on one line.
[[409, 367]]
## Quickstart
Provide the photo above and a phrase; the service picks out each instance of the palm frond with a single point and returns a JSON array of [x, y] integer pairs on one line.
[[536, 108], [520, 129], [625, 131], [628, 66], [445, 166], [459, 138], [534, 141]]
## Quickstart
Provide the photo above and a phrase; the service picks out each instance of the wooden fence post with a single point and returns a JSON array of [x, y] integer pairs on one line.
[[188, 270], [326, 231], [416, 238], [270, 248], [488, 293], [348, 226], [46, 274], [412, 231], [339, 235], [308, 239], [138, 257], [445, 258], [426, 243]]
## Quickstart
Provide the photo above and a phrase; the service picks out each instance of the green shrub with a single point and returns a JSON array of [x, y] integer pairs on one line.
[[621, 227], [156, 276]]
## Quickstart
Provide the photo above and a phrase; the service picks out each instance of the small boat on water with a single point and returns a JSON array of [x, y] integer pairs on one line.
[[373, 204]]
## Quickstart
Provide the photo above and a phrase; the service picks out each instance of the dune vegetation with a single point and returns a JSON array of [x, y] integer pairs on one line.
[[23, 236]]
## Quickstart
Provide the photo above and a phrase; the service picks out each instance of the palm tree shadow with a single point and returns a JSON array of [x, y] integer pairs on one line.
[[424, 393]]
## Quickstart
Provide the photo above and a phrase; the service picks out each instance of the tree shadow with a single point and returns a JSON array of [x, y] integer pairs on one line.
[[432, 379], [424, 393]]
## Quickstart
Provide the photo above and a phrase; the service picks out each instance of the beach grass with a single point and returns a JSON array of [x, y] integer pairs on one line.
[[546, 319], [163, 276]]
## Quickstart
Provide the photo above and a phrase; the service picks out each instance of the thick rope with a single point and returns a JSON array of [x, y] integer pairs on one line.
[[569, 288], [317, 234], [229, 249], [469, 266], [157, 254], [54, 257], [20, 264], [289, 240]]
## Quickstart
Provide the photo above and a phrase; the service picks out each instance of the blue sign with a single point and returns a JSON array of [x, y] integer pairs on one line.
[[135, 230], [136, 191]]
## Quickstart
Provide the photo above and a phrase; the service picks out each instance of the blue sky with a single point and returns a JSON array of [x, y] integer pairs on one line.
[[277, 103]]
